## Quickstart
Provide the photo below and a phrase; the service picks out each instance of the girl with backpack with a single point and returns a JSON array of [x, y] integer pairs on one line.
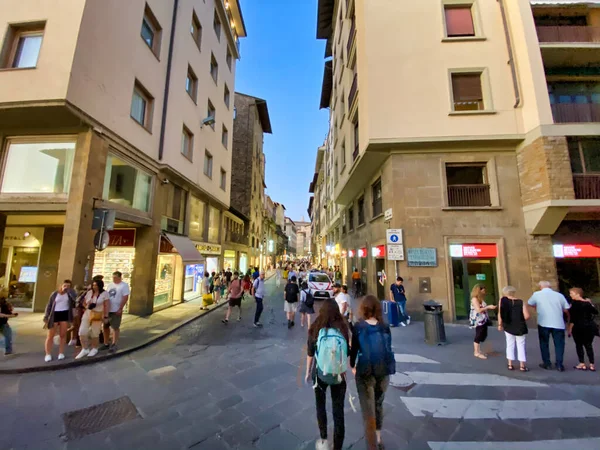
[[327, 345], [307, 302], [372, 344]]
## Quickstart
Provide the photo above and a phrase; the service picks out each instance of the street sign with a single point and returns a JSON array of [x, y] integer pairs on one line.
[[395, 252], [394, 236], [101, 240], [103, 219], [387, 215]]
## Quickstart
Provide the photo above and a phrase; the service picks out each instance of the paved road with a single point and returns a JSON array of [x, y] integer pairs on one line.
[[216, 387]]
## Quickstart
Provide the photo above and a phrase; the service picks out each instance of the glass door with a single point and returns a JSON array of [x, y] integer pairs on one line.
[[467, 272]]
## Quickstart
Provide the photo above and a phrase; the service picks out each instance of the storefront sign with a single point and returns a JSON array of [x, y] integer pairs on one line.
[[378, 252], [422, 257], [362, 252], [395, 252], [209, 249], [576, 251], [23, 237], [480, 276], [122, 238], [351, 253], [344, 254], [473, 251]]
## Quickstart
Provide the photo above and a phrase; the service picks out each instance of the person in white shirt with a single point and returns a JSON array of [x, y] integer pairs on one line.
[[118, 292], [342, 299], [96, 305], [57, 316]]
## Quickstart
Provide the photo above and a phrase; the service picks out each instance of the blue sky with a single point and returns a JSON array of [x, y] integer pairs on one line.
[[282, 62]]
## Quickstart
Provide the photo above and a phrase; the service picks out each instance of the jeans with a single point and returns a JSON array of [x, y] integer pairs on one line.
[[583, 339], [371, 393], [6, 331], [259, 309], [338, 392], [402, 307], [519, 341], [558, 336]]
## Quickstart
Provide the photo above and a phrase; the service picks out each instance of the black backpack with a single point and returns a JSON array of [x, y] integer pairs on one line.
[[310, 300]]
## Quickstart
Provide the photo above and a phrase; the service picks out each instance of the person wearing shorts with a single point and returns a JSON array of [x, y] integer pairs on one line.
[[291, 296], [57, 316], [235, 294], [118, 293]]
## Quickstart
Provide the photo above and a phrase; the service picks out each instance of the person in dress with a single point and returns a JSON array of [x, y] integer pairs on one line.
[[512, 318], [479, 318], [57, 316], [582, 327]]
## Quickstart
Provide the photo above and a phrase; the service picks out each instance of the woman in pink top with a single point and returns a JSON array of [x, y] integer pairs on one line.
[[235, 295]]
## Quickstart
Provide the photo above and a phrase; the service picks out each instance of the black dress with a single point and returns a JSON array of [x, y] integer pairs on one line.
[[513, 320], [582, 318]]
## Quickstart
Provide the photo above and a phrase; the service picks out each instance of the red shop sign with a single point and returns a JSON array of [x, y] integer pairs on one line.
[[362, 252], [577, 251], [351, 253], [378, 252], [122, 238], [479, 251]]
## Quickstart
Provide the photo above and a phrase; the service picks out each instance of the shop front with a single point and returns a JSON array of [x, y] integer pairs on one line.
[[380, 277], [211, 253], [230, 260], [578, 265], [362, 254], [243, 262]]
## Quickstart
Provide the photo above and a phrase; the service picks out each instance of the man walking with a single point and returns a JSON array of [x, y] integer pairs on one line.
[[398, 295], [258, 290], [118, 294], [550, 306], [235, 294]]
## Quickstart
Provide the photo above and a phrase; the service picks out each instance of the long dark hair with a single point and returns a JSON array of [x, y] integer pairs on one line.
[[329, 317], [100, 285], [370, 308]]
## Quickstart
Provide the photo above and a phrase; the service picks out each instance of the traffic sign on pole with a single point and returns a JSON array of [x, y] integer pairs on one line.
[[394, 236]]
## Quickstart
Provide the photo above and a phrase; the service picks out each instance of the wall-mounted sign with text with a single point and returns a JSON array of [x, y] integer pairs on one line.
[[473, 251], [576, 251]]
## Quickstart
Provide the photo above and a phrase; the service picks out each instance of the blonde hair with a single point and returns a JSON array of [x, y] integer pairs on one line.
[[509, 290], [476, 292]]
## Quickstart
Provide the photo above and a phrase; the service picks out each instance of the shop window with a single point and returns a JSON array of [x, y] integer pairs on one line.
[[361, 211], [22, 46], [467, 185], [196, 30], [377, 198], [197, 214], [174, 209], [213, 224], [126, 185], [151, 31], [217, 26], [38, 167]]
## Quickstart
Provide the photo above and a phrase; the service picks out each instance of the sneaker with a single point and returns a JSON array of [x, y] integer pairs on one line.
[[289, 324], [322, 444], [560, 368], [72, 342], [93, 352], [61, 356], [403, 324], [104, 347], [225, 321], [9, 353], [113, 348], [258, 325], [407, 323], [48, 358], [239, 319], [83, 353]]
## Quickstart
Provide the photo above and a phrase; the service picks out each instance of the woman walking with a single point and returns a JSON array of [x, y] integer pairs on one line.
[[479, 318], [306, 308], [328, 340], [583, 328], [96, 304], [58, 315], [372, 344], [512, 318], [217, 288]]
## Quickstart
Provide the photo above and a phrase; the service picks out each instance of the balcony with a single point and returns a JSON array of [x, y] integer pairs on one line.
[[353, 91], [469, 195], [587, 186], [576, 112], [236, 238], [568, 34]]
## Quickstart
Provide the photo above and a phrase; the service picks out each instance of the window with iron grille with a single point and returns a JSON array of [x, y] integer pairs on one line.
[[377, 198]]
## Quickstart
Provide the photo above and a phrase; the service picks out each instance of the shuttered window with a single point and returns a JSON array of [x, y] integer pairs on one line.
[[466, 92], [459, 21]]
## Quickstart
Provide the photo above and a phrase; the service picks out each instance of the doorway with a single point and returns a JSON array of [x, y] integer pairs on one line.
[[466, 273], [379, 268]]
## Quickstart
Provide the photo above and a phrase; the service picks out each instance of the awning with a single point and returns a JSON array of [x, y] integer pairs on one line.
[[186, 249]]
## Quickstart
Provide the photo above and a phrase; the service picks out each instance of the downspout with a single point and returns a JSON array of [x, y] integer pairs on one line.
[[511, 60], [163, 121]]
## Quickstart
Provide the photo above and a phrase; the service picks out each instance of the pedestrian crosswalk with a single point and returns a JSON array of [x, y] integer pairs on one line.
[[541, 409]]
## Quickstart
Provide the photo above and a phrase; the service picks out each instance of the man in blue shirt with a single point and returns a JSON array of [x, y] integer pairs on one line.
[[256, 274], [259, 291], [397, 295], [550, 306]]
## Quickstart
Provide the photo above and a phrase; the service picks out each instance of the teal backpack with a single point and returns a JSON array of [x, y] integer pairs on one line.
[[332, 356]]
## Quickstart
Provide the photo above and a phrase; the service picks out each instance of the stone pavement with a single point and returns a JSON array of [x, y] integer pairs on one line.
[[210, 386]]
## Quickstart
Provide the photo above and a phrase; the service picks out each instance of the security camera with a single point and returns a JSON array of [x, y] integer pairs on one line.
[[165, 181], [210, 120]]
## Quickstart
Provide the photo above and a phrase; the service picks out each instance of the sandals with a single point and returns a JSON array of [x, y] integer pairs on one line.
[[480, 356], [592, 368], [580, 367], [511, 367], [523, 369]]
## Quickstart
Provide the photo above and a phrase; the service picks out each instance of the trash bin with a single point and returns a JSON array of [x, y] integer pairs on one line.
[[435, 334]]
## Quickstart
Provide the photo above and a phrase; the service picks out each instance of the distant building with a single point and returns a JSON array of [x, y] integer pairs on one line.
[[290, 231], [303, 237]]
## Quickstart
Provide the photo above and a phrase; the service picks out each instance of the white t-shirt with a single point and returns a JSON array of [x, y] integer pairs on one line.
[[206, 285], [99, 300], [342, 298], [116, 292], [61, 302]]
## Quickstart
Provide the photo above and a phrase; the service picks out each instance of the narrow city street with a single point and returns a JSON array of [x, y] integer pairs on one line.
[[214, 386]]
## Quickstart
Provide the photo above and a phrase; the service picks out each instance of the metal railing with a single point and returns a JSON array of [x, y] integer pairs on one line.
[[576, 112], [469, 195], [236, 238], [587, 186], [353, 90], [568, 33]]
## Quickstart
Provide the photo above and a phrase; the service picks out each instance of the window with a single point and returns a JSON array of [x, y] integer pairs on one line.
[[356, 142], [211, 112], [585, 155], [214, 218], [151, 31], [229, 58], [217, 26], [197, 208], [459, 21], [225, 136], [38, 167], [141, 106], [351, 218], [173, 217], [22, 46], [467, 93], [223, 180], [196, 30], [467, 185], [343, 152], [337, 169], [208, 164], [126, 185], [187, 143], [191, 84], [214, 68], [377, 198], [226, 96], [361, 211]]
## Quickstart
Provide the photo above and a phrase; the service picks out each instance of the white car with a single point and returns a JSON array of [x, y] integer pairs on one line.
[[320, 285]]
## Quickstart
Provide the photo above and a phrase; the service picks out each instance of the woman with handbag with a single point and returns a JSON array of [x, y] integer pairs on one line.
[[58, 315], [582, 327], [96, 304], [479, 318], [512, 319]]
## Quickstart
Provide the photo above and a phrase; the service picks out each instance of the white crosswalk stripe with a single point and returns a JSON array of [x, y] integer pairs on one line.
[[468, 379], [408, 358], [576, 444]]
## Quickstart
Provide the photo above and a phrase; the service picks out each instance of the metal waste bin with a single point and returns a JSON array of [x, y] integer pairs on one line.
[[435, 334]]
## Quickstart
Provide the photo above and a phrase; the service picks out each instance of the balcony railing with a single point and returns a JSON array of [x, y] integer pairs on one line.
[[236, 238], [351, 37], [573, 33], [587, 187], [353, 90], [576, 112], [469, 195]]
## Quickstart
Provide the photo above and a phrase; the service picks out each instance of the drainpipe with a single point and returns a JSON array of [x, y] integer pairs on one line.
[[511, 60], [163, 121]]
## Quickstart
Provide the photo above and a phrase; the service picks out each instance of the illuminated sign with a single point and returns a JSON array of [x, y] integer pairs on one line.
[[362, 252], [576, 251], [378, 252], [351, 253], [473, 251]]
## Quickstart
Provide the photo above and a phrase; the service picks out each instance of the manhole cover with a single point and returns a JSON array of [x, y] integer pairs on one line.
[[83, 422]]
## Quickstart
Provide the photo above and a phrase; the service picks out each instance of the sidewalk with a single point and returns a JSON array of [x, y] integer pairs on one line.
[[136, 332]]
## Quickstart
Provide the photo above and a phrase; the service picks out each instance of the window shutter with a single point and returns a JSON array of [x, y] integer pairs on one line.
[[459, 21], [467, 87]]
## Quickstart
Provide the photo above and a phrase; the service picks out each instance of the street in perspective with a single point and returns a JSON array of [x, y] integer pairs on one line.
[[326, 224]]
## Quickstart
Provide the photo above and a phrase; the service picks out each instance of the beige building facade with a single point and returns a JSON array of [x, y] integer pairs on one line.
[[486, 168], [123, 106]]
